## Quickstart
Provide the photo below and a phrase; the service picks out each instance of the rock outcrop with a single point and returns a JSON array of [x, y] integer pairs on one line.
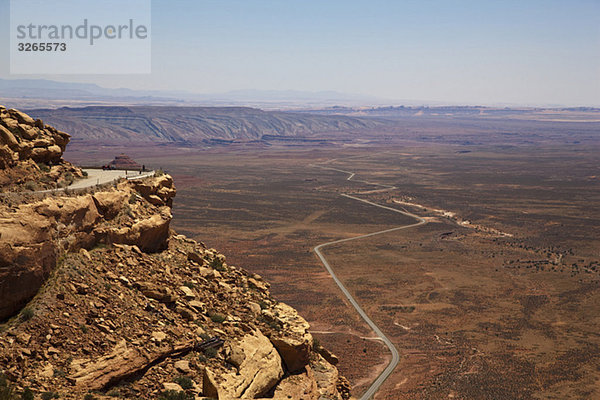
[[257, 365], [31, 151], [34, 235]]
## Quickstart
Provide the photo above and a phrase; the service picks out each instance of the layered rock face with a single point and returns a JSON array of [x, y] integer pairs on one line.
[[111, 302], [31, 151], [34, 235]]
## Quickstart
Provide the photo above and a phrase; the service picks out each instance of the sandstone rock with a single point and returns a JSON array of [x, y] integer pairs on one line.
[[46, 155], [21, 117], [7, 138], [326, 376], [162, 294], [258, 370], [159, 336], [182, 366], [195, 257], [294, 341], [254, 308], [172, 386], [29, 133], [328, 355], [187, 292], [300, 386], [109, 204], [150, 234], [197, 305], [121, 362]]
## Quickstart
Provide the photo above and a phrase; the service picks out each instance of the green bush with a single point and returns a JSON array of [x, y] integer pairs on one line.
[[43, 167], [50, 395], [211, 352], [217, 317], [217, 263], [85, 174], [31, 186], [27, 394], [27, 314], [6, 389], [185, 382]]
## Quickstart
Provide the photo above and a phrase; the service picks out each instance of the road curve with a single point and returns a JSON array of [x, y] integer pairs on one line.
[[395, 356]]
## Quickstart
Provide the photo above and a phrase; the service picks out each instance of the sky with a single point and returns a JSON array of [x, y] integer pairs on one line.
[[525, 52]]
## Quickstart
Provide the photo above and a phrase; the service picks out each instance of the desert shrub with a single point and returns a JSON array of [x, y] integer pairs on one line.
[[132, 198], [316, 343], [211, 352], [27, 314], [43, 167], [50, 395], [263, 305], [159, 172], [189, 284], [185, 382], [31, 186], [175, 395], [27, 394], [217, 263], [217, 317], [205, 336], [58, 373], [69, 177], [89, 396], [114, 393], [6, 389], [85, 174]]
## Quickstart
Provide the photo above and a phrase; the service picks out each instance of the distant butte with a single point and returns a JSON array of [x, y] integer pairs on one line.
[[123, 161]]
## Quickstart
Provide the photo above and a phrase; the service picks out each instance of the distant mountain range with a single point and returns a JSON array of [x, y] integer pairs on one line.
[[92, 94]]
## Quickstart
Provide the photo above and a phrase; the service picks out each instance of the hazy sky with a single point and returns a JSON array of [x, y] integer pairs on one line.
[[477, 52]]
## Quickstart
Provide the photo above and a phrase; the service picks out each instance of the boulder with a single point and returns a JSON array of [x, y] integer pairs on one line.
[[258, 367], [7, 138], [110, 203], [293, 342], [300, 386], [21, 117]]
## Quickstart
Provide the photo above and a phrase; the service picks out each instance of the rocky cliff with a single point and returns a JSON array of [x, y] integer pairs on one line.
[[31, 154], [106, 300]]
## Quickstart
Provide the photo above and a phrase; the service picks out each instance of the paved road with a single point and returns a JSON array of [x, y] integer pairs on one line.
[[395, 356], [100, 177]]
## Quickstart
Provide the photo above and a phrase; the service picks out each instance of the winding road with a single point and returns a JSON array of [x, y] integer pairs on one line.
[[421, 221]]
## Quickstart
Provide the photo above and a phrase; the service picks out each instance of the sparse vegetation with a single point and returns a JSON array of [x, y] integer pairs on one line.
[[6, 389], [217, 263], [27, 314], [211, 352], [50, 395], [175, 395], [27, 394], [31, 186], [216, 317], [185, 382]]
